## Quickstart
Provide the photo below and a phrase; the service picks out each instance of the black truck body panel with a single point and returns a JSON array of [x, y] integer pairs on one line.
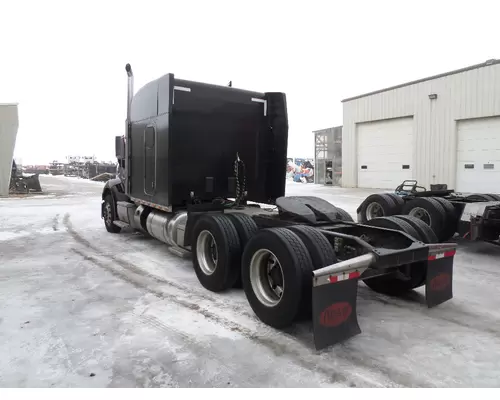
[[208, 126]]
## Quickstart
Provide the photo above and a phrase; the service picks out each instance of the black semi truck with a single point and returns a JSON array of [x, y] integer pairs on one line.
[[202, 168]]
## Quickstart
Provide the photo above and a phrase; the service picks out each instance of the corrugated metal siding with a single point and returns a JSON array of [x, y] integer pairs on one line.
[[8, 133], [471, 94]]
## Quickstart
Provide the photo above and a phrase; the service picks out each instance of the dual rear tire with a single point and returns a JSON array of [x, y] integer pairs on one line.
[[409, 276], [275, 265], [216, 252], [438, 213], [380, 205]]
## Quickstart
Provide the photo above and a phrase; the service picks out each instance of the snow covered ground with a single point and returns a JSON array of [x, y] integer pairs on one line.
[[80, 307]]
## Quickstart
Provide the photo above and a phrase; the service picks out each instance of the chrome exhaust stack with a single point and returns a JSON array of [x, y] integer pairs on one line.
[[130, 92], [128, 129]]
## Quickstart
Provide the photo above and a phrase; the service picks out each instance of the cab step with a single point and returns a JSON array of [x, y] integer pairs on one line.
[[121, 224]]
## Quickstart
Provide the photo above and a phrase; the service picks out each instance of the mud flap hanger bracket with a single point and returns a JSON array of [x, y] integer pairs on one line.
[[335, 289]]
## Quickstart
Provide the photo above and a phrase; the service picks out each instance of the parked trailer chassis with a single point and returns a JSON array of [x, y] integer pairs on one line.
[[325, 290], [472, 217]]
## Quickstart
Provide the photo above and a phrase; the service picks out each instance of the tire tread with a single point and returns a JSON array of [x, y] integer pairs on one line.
[[344, 215], [451, 221], [434, 207], [323, 245], [246, 228], [386, 202], [427, 235], [230, 236], [299, 269], [113, 228], [400, 225], [398, 200]]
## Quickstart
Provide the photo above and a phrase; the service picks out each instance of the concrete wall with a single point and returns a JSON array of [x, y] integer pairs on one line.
[[9, 123], [474, 93]]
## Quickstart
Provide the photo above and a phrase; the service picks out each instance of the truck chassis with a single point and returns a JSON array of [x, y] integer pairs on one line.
[[303, 260]]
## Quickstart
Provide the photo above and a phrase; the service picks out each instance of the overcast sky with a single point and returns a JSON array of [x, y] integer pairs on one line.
[[64, 61]]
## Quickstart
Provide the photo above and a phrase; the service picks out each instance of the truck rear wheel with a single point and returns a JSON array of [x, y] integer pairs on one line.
[[425, 232], [398, 200], [429, 211], [322, 254], [376, 206], [320, 249], [396, 224], [275, 264], [415, 273], [344, 215], [216, 252], [450, 227], [109, 214], [246, 228]]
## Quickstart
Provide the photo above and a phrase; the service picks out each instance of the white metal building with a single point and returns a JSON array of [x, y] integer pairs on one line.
[[441, 129], [9, 124]]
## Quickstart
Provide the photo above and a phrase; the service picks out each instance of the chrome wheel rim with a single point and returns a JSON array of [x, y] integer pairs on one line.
[[266, 277], [374, 210], [421, 214], [206, 252]]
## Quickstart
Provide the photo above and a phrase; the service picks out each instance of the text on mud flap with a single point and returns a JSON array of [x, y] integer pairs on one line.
[[335, 314]]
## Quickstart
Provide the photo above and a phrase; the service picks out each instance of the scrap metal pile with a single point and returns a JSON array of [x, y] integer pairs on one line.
[[90, 170], [22, 183]]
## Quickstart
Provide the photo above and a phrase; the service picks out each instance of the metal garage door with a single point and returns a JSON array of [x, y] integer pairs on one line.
[[385, 153], [478, 155]]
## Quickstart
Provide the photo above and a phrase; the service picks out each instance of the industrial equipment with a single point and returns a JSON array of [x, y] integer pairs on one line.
[[22, 183]]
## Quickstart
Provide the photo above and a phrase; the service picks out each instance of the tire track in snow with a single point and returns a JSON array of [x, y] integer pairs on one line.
[[132, 267], [55, 223], [280, 343], [295, 350]]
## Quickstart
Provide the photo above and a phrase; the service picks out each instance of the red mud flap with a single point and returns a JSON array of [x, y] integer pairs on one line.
[[335, 291], [438, 285]]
